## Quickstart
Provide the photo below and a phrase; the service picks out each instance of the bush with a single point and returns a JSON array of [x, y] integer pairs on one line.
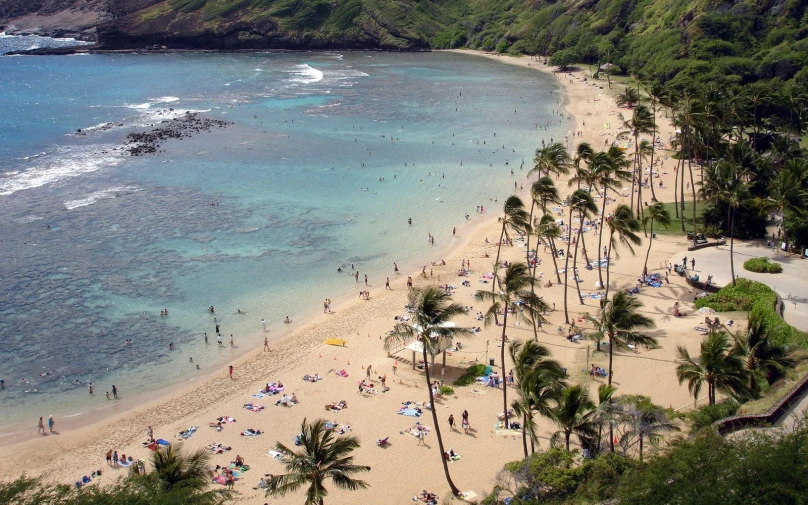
[[759, 300], [762, 266], [470, 374], [446, 390], [706, 415]]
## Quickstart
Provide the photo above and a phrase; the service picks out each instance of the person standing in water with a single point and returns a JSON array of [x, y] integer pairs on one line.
[[41, 427], [50, 423]]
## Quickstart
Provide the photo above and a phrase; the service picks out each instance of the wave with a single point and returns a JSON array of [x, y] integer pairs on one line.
[[64, 163], [139, 106], [103, 194], [165, 99], [306, 74]]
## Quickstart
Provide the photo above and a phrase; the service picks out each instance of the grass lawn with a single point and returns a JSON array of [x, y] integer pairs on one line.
[[676, 223]]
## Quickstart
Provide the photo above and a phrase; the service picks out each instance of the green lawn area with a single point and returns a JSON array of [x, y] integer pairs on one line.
[[676, 223]]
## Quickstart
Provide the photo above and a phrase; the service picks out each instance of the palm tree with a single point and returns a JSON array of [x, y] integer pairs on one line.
[[432, 313], [620, 322], [536, 377], [656, 213], [583, 205], [610, 169], [548, 230], [648, 421], [725, 183], [761, 357], [323, 456], [542, 192], [787, 191], [641, 123], [553, 159], [628, 98], [514, 297], [656, 93], [624, 226], [605, 412], [515, 218], [186, 475], [719, 365], [573, 412]]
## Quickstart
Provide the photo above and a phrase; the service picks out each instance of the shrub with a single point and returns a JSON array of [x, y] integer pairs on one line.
[[470, 374], [446, 390], [706, 415], [762, 266], [759, 300]]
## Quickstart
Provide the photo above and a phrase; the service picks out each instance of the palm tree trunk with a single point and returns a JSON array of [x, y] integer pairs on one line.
[[732, 246], [676, 189], [555, 261], [527, 239], [524, 433], [575, 263], [641, 438], [682, 184], [650, 241], [495, 280], [600, 234], [454, 488], [567, 439], [692, 184], [653, 151], [567, 266], [634, 173], [502, 360], [608, 267], [611, 355]]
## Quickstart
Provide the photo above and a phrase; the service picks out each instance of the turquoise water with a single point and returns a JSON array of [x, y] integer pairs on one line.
[[257, 216]]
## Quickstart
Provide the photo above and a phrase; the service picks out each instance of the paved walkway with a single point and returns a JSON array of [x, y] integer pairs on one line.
[[791, 284]]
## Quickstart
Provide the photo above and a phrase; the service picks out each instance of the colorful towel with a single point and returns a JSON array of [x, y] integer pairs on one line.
[[409, 412]]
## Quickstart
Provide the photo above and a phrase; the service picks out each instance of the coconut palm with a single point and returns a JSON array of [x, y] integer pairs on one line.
[[724, 182], [514, 296], [622, 229], [610, 169], [718, 365], [788, 190], [582, 204], [553, 159], [324, 455], [542, 192], [620, 322], [761, 357], [641, 123], [628, 98], [185, 475], [549, 231], [430, 321], [657, 213], [605, 413], [536, 377], [646, 421], [514, 218], [572, 411], [656, 92]]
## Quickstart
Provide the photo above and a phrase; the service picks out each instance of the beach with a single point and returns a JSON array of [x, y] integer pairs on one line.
[[404, 467]]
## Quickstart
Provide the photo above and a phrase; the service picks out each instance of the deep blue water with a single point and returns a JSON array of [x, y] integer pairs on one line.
[[256, 216]]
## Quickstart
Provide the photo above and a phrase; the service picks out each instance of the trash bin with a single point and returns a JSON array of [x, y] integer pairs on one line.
[[491, 361]]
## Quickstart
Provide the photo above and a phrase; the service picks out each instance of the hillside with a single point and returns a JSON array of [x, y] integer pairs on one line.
[[704, 40]]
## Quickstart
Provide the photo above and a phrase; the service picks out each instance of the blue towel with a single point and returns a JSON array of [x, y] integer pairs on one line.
[[409, 412]]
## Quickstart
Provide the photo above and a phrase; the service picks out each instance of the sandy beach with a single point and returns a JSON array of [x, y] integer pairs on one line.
[[404, 467]]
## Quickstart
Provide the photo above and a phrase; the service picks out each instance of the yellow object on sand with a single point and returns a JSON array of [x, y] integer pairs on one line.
[[335, 341]]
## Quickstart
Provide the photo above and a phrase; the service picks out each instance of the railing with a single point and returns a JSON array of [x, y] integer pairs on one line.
[[696, 247], [770, 417]]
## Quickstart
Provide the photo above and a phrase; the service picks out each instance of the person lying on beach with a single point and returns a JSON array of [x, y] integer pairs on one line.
[[217, 425], [249, 432], [337, 406], [312, 378]]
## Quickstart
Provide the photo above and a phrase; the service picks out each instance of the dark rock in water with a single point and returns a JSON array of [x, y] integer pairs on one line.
[[140, 143]]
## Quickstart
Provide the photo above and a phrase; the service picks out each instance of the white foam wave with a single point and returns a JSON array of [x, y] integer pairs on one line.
[[62, 164], [103, 194], [165, 99], [139, 106], [306, 74]]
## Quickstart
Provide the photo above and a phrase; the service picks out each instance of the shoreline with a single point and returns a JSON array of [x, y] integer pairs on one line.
[[303, 351]]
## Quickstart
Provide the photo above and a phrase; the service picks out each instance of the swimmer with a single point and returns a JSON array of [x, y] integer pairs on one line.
[[287, 320]]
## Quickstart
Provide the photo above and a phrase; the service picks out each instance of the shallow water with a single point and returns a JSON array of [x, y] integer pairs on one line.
[[256, 216]]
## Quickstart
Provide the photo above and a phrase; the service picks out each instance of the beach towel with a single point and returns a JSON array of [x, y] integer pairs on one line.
[[250, 434], [409, 412], [259, 395], [342, 373], [220, 479], [275, 454], [163, 442], [254, 407], [418, 428], [187, 433]]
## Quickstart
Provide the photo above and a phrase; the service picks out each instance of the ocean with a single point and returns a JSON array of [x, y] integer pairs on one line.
[[325, 157]]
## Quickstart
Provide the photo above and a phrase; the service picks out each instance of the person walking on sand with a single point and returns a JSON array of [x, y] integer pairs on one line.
[[368, 372], [50, 424], [395, 366], [465, 416], [387, 283], [115, 458], [230, 369], [41, 427], [451, 422], [266, 344], [109, 457], [421, 436]]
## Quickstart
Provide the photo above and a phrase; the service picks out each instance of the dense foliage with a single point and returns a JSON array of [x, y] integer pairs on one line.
[[762, 265], [756, 468], [759, 300]]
